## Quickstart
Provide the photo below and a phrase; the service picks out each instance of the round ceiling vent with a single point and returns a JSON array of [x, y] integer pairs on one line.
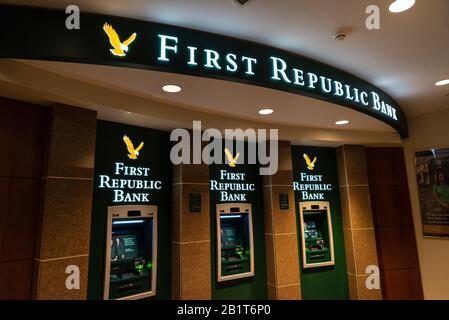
[[342, 33]]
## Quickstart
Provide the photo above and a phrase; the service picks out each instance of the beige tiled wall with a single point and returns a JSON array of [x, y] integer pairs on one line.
[[65, 214], [359, 237], [190, 234], [280, 232]]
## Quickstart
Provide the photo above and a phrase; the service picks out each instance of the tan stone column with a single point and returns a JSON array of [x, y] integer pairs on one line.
[[64, 220], [191, 264], [280, 231], [360, 241]]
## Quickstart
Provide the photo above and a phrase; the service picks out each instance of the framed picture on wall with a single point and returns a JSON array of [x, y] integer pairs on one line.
[[432, 174]]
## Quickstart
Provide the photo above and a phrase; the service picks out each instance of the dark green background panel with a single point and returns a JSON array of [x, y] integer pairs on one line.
[[329, 282], [246, 288], [110, 148]]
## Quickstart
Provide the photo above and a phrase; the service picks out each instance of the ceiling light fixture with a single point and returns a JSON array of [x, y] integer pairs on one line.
[[342, 33], [341, 122], [442, 82], [171, 88], [265, 111], [401, 5]]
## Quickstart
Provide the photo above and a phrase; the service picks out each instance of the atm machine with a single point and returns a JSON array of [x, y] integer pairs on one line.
[[235, 248], [316, 234], [131, 252]]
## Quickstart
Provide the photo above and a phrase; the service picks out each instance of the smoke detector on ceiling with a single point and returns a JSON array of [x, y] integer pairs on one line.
[[342, 33], [240, 3]]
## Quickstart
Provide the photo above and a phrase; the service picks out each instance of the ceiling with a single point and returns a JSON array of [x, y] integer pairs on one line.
[[140, 101], [404, 58], [217, 96]]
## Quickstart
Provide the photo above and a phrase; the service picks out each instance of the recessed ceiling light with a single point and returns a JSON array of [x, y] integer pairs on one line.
[[401, 5], [341, 122], [442, 82], [171, 88], [265, 111]]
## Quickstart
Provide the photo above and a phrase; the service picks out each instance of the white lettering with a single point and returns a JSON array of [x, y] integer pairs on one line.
[[312, 80], [338, 88], [279, 70], [299, 77], [231, 60], [376, 101], [212, 57], [250, 62], [165, 47], [192, 56], [323, 84], [364, 97]]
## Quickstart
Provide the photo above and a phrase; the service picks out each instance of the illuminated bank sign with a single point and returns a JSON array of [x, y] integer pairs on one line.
[[231, 184], [311, 186], [129, 184], [132, 43], [128, 180], [314, 173], [294, 76]]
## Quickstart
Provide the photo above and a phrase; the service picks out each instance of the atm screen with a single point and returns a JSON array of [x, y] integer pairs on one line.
[[228, 237], [310, 229], [124, 247], [310, 225]]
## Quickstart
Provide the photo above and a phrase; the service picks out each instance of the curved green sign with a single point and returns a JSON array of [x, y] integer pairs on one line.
[[36, 33]]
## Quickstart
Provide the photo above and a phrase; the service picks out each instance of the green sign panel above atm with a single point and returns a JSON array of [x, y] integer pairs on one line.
[[139, 44]]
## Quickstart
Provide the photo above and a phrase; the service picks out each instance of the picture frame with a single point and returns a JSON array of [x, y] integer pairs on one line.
[[432, 177]]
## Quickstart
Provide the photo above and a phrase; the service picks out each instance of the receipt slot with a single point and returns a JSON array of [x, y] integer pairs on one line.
[[235, 248], [131, 252], [316, 232]]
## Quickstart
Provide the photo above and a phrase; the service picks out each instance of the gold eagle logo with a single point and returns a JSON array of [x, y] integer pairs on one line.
[[133, 153], [120, 48], [310, 164], [232, 160]]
